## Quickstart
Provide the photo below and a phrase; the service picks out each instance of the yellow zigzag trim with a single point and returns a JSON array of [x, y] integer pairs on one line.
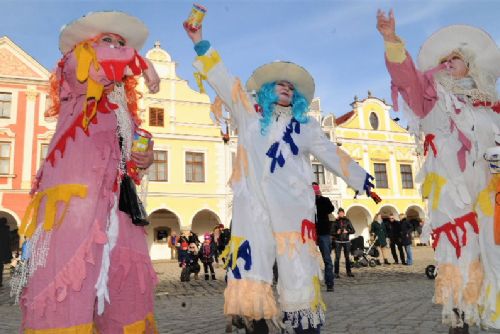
[[60, 193], [79, 329]]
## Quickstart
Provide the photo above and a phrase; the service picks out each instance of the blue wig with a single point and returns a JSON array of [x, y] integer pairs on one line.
[[267, 99]]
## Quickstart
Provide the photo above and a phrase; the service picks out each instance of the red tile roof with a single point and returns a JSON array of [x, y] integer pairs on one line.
[[344, 118]]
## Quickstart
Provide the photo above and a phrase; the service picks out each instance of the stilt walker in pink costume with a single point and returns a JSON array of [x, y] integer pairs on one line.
[[89, 268], [273, 204], [452, 106]]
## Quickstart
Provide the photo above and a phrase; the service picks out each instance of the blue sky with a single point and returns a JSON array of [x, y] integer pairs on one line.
[[335, 40]]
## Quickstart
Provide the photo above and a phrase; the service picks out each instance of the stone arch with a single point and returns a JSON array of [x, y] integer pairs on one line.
[[162, 223], [387, 210], [204, 221], [13, 223], [361, 219]]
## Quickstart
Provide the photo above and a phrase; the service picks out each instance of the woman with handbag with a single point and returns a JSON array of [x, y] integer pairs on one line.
[[89, 268]]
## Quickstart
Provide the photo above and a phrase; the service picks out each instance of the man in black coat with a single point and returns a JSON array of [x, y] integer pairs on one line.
[[323, 227], [342, 228], [395, 239], [5, 251]]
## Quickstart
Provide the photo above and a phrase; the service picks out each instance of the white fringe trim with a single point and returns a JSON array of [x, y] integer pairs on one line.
[[112, 234]]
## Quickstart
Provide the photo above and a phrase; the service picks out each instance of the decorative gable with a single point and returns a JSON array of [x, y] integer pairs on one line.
[[16, 63]]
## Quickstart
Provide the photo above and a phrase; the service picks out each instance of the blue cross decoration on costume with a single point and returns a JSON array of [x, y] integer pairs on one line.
[[367, 186], [244, 252], [275, 153]]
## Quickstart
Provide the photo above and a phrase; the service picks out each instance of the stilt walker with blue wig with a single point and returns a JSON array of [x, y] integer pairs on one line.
[[274, 204]]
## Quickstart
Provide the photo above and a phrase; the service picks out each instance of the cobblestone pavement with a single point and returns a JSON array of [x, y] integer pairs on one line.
[[384, 299]]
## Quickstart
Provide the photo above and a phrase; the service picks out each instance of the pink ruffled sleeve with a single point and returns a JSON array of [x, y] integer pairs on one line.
[[416, 88]]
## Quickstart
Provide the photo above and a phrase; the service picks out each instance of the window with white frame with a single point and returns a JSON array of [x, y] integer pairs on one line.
[[195, 167], [5, 104], [159, 169], [406, 176], [4, 158], [380, 175], [319, 173]]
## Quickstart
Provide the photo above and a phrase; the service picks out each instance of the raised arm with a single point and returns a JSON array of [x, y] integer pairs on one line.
[[228, 88], [337, 161], [417, 88]]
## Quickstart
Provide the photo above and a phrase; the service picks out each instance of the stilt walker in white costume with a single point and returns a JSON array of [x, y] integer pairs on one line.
[[274, 203], [452, 103]]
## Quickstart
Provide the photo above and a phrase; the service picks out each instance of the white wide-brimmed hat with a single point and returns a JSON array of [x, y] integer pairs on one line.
[[283, 70], [444, 41], [129, 27]]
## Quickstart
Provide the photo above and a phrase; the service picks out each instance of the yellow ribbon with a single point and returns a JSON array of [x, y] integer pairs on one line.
[[436, 182], [483, 199], [85, 57], [199, 77], [61, 193], [318, 301]]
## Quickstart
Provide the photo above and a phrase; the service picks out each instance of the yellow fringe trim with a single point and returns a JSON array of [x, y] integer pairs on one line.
[[318, 300], [448, 284], [473, 287], [79, 329], [209, 60], [61, 193], [249, 298], [239, 94], [395, 51], [433, 180], [85, 57], [144, 326]]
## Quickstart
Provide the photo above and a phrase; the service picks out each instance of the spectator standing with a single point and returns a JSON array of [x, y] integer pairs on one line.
[[172, 242], [406, 233], [379, 231], [5, 251], [394, 232], [323, 228], [183, 247], [343, 228], [207, 254]]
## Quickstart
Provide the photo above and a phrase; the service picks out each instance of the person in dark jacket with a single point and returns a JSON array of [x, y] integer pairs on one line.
[[378, 230], [5, 251], [342, 228], [323, 228], [394, 232], [406, 231], [207, 255]]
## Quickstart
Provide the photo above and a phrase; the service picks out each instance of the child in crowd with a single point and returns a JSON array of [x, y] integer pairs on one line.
[[207, 254]]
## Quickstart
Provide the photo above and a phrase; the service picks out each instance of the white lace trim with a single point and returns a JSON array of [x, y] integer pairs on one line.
[[124, 121], [306, 318], [112, 231]]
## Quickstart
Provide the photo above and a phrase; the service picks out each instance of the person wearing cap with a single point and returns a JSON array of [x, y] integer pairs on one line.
[[89, 268], [452, 106], [273, 203], [342, 228], [324, 208], [207, 254]]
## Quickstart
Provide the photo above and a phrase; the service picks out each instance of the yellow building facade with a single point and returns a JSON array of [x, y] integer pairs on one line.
[[187, 184], [382, 147]]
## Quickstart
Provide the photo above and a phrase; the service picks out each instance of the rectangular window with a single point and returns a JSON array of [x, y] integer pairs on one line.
[[380, 176], [406, 176], [195, 167], [156, 116], [43, 153], [159, 169], [5, 103], [4, 158], [319, 173]]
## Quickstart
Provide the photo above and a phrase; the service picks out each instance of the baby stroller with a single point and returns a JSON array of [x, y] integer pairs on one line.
[[360, 253]]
